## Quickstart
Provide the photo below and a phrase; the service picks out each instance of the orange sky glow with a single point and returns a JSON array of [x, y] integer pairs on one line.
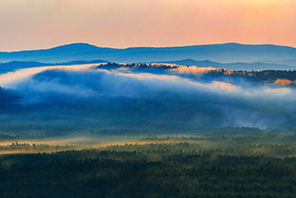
[[33, 24]]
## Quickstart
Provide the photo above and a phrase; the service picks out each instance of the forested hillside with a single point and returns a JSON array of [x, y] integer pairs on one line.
[[92, 173]]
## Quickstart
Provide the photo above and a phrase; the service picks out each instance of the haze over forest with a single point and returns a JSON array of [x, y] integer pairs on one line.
[[142, 99], [79, 89]]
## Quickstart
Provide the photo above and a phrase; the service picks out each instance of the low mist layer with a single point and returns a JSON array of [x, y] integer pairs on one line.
[[156, 97]]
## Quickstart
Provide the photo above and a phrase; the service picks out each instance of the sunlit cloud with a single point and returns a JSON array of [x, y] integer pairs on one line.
[[284, 82], [281, 91], [223, 85]]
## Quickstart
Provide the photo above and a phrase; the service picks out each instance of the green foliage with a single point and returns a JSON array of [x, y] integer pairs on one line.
[[94, 173], [245, 165], [15, 146]]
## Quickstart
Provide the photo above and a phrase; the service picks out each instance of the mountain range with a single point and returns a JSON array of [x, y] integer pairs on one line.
[[224, 53], [230, 56], [15, 65], [233, 66]]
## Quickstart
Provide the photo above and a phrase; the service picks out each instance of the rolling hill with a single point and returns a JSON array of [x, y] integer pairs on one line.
[[224, 53], [233, 66], [15, 65]]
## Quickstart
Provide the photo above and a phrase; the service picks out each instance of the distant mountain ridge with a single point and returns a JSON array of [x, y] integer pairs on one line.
[[232, 66], [14, 65], [224, 53]]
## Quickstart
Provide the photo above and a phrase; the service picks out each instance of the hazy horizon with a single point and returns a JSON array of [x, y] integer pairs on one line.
[[65, 44], [122, 24]]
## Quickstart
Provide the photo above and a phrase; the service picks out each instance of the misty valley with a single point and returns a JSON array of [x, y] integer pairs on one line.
[[147, 99], [105, 129]]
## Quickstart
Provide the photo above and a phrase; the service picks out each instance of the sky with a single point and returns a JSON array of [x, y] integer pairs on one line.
[[35, 24]]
